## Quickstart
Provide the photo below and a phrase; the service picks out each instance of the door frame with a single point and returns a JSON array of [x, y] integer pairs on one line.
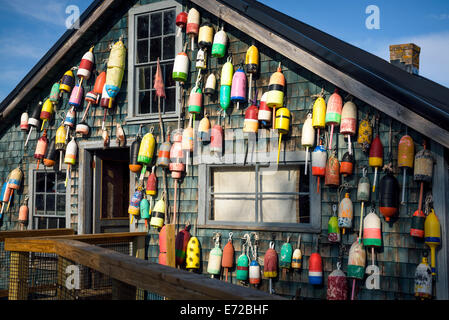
[[85, 218]]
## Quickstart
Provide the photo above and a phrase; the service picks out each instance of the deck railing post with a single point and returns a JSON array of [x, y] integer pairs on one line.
[[138, 251], [18, 275]]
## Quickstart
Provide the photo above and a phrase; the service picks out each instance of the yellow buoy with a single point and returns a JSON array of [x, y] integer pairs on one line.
[[282, 124]]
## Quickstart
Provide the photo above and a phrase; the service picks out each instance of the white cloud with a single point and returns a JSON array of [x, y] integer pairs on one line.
[[46, 11], [434, 56]]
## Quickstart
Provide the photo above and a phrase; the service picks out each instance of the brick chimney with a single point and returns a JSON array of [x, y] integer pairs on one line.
[[406, 57]]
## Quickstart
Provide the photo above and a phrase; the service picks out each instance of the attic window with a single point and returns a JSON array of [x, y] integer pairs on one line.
[[151, 36]]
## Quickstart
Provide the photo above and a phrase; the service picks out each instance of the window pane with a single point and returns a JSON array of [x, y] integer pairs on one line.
[[50, 204], [50, 182], [156, 24], [61, 222], [155, 49], [60, 176], [144, 78], [144, 102], [168, 75], [142, 27], [170, 100], [41, 222], [279, 208], [60, 205], [142, 51], [169, 47], [239, 207], [52, 223], [169, 21], [39, 204], [40, 182]]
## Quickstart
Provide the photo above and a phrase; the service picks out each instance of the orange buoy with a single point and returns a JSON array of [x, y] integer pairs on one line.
[[406, 154], [332, 176]]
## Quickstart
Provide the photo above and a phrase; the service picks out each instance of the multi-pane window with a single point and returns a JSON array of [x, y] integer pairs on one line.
[[154, 34], [49, 199], [256, 195]]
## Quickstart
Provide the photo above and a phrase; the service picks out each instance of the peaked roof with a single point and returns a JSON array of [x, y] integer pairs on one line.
[[412, 93]]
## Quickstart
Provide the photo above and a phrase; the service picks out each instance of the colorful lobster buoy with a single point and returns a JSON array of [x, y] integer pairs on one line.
[[204, 130], [187, 143], [211, 83], [363, 190], [176, 165], [115, 69], [14, 181], [337, 288], [423, 279], [297, 256], [76, 97], [86, 66], [34, 120], [285, 261], [356, 263], [242, 269], [250, 128], [347, 164], [182, 239], [201, 60], [5, 196], [193, 26], [333, 113], [275, 94], [332, 176], [70, 157], [372, 233], [145, 211], [375, 159], [181, 67], [46, 112], [216, 138], [69, 121], [193, 254], [158, 213], [215, 256], [24, 122], [163, 156], [264, 116], [146, 152], [181, 22], [227, 261], [151, 187], [365, 134], [282, 124], [348, 122], [432, 236], [99, 85], [270, 266], [388, 196], [67, 82], [345, 213], [254, 267], [92, 97], [319, 115], [307, 137], [60, 142], [227, 72], [315, 267], [23, 214], [251, 66], [54, 94], [423, 172], [134, 204], [238, 87], [50, 155], [333, 230], [205, 35], [406, 154], [41, 148], [219, 44], [319, 157], [195, 101], [134, 166]]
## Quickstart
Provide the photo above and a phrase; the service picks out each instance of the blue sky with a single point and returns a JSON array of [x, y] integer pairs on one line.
[[28, 29]]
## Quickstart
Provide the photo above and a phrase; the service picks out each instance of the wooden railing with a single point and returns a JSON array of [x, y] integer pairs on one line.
[[23, 234], [128, 272]]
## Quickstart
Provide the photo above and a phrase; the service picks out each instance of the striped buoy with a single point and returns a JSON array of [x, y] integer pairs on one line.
[[181, 67], [345, 213], [24, 122], [219, 44], [158, 214], [176, 165], [238, 87], [333, 113], [67, 82], [211, 84], [86, 65], [134, 204], [265, 113], [50, 155], [134, 166], [163, 156]]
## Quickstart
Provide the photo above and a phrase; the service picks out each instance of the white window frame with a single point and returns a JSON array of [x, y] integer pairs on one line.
[[288, 158], [133, 13], [31, 185]]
